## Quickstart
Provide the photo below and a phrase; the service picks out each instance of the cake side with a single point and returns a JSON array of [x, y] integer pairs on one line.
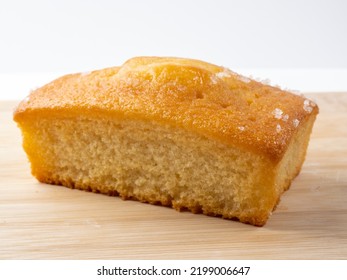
[[160, 164], [290, 165], [152, 163]]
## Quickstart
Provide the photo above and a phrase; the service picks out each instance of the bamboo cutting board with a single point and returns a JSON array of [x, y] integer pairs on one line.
[[39, 221]]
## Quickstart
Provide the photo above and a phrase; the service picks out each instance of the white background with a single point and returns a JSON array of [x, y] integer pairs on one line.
[[297, 44]]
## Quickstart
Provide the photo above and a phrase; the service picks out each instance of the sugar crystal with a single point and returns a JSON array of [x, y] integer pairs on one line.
[[26, 99], [277, 113], [244, 79], [296, 122], [85, 73], [265, 82], [307, 106], [223, 74], [285, 117], [214, 79]]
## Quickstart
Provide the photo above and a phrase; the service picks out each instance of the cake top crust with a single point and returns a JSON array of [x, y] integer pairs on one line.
[[197, 96]]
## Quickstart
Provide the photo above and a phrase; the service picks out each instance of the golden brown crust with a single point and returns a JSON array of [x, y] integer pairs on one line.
[[201, 97]]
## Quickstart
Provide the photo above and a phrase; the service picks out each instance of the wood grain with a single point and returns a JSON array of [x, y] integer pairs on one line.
[[39, 221]]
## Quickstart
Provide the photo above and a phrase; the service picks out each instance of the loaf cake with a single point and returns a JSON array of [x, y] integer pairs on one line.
[[171, 131]]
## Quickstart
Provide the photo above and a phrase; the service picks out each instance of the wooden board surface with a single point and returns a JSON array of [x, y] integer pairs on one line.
[[39, 221]]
